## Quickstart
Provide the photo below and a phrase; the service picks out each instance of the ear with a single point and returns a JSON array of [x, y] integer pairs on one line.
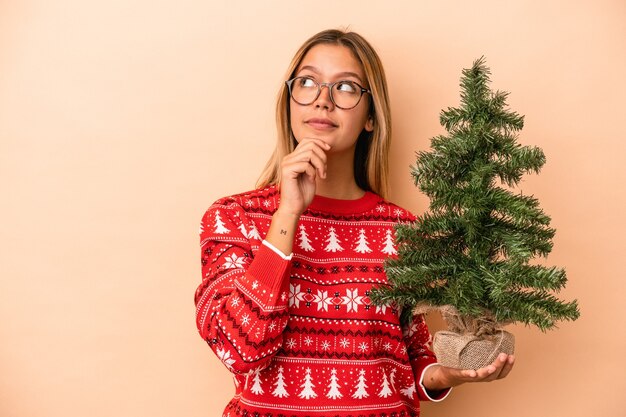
[[369, 124]]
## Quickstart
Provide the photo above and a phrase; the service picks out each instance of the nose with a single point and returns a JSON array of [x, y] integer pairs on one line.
[[323, 99]]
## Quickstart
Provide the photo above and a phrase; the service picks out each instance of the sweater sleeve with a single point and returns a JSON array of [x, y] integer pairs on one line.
[[241, 304], [418, 338]]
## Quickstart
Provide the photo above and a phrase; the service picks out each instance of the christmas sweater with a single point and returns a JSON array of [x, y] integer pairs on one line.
[[299, 332]]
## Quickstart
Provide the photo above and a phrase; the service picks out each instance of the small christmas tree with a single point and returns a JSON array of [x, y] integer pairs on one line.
[[392, 378], [305, 242], [333, 241], [219, 224], [388, 248], [254, 232], [280, 390], [468, 256], [385, 391], [361, 243], [361, 392], [307, 386], [334, 386], [256, 388]]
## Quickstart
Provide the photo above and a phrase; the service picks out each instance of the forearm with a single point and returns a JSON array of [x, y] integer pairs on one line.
[[282, 231], [434, 379]]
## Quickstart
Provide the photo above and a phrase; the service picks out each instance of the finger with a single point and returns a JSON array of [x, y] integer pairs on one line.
[[487, 373], [312, 157], [310, 171], [500, 363], [493, 371], [310, 147], [468, 373], [508, 366], [319, 163], [460, 376], [294, 169]]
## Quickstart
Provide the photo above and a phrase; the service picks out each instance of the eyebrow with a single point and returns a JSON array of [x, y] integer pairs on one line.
[[340, 75]]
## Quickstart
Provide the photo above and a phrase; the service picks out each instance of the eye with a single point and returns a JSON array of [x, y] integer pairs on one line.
[[306, 82], [346, 87]]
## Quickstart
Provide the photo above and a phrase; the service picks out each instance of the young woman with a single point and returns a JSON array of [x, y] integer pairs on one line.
[[288, 268]]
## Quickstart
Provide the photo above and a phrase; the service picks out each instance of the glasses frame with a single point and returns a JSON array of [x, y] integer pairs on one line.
[[330, 91]]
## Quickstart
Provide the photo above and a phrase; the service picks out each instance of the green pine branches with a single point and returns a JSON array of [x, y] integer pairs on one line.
[[472, 249]]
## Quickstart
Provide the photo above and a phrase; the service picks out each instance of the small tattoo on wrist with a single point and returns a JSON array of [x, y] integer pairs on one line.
[[283, 232]]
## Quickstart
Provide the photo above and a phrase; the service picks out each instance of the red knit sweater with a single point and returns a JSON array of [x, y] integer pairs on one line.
[[299, 332]]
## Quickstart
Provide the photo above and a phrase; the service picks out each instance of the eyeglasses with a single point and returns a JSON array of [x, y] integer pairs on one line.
[[344, 94]]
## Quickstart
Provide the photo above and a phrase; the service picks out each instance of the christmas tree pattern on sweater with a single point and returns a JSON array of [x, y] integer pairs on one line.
[[301, 335]]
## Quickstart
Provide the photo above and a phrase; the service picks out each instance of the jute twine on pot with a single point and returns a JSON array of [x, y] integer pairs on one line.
[[470, 343]]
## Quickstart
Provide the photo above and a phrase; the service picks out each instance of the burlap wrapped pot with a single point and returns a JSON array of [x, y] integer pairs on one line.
[[469, 342], [468, 351]]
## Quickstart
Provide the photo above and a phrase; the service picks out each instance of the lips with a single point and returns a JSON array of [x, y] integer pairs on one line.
[[321, 123]]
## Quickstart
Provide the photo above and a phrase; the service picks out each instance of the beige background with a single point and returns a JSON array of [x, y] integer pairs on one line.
[[122, 120]]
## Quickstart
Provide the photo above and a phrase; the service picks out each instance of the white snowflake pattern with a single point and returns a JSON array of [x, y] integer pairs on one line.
[[235, 302], [352, 300], [363, 347], [323, 300], [249, 203], [272, 326], [283, 296], [224, 356], [398, 212], [255, 285], [387, 346], [245, 319], [267, 203], [290, 343], [308, 340], [403, 350], [234, 261], [380, 209], [344, 343], [294, 295], [325, 345]]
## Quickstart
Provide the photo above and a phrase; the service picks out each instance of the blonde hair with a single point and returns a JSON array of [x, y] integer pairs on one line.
[[371, 166]]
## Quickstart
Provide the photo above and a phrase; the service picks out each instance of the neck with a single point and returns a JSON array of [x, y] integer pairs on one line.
[[339, 182]]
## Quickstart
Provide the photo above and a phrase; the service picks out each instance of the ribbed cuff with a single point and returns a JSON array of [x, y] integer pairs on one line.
[[270, 269], [278, 251]]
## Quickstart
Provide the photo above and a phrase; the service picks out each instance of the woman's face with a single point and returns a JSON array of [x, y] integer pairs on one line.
[[327, 63]]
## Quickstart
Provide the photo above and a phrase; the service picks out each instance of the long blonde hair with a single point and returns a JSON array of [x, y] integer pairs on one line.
[[371, 166]]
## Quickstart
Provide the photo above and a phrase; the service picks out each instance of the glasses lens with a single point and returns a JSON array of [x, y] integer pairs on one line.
[[304, 90], [346, 94]]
